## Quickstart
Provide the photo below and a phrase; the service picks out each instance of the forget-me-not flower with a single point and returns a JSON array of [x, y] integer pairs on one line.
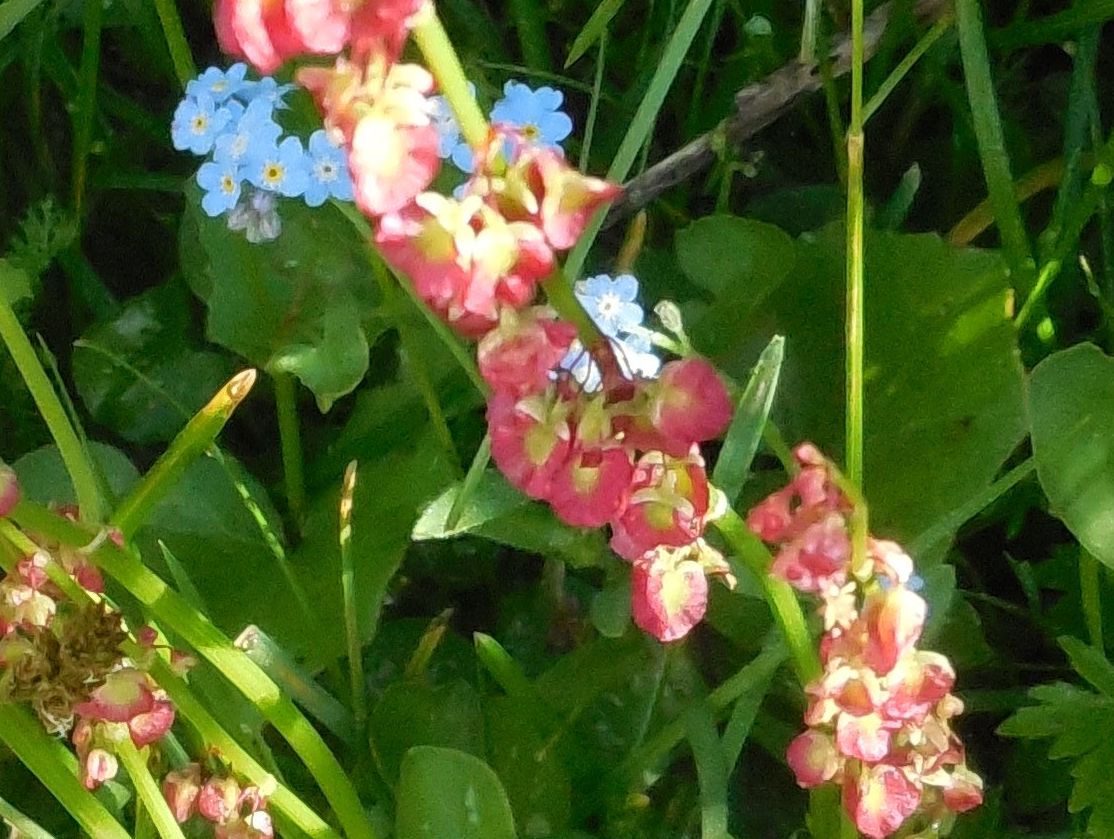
[[255, 132], [328, 171], [266, 90], [282, 168], [536, 113], [221, 182], [218, 84], [257, 215], [611, 302], [448, 129], [197, 124]]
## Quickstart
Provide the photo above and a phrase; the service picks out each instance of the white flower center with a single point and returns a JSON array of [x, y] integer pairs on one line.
[[325, 171]]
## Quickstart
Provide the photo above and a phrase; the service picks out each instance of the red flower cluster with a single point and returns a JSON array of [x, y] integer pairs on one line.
[[880, 715], [235, 811], [627, 456]]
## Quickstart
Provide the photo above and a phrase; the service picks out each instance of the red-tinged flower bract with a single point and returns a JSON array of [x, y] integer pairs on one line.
[[880, 715]]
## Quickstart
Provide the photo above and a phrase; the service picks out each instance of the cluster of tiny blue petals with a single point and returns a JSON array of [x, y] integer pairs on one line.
[[230, 119], [612, 304], [536, 113]]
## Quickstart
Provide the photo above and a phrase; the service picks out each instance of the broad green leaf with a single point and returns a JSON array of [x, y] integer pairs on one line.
[[529, 766], [1071, 403], [720, 253], [15, 284], [293, 305], [944, 398], [749, 421], [413, 713], [43, 477], [1091, 664], [611, 608], [12, 12], [597, 23], [497, 511], [389, 495], [446, 794], [138, 373]]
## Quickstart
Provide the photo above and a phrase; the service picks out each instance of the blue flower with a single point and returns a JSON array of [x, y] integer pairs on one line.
[[328, 171], [218, 84], [254, 132], [282, 168], [221, 182], [633, 355], [257, 215], [461, 156], [448, 130], [197, 123], [265, 90], [537, 113], [611, 303]]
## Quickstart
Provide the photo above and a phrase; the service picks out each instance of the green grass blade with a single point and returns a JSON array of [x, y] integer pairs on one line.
[[26, 827], [348, 587], [14, 11], [471, 481], [593, 30], [751, 413], [176, 40], [529, 23], [643, 123], [147, 788], [711, 771], [1055, 27], [758, 676], [54, 766], [992, 143], [86, 106]]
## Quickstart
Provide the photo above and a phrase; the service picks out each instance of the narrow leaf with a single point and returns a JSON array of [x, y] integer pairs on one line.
[[751, 414], [593, 29]]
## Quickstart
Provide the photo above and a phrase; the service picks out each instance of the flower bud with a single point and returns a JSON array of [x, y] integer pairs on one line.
[[181, 789]]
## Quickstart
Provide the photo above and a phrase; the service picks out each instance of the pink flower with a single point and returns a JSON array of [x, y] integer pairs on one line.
[[591, 486], [124, 694], [152, 726], [690, 403], [518, 354], [255, 30], [391, 163], [965, 791], [530, 439], [99, 766], [537, 184], [219, 800], [816, 560], [894, 620], [669, 593], [668, 502], [879, 799], [865, 737], [917, 683], [813, 758], [464, 259], [181, 788]]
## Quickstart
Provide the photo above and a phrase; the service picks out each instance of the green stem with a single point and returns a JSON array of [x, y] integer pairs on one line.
[[810, 28], [443, 62], [176, 42], [290, 441], [471, 481], [991, 142], [49, 761], [73, 453], [148, 790], [783, 601], [174, 613], [190, 443], [348, 587], [1048, 273], [855, 326], [1090, 586], [594, 103], [85, 111], [906, 64]]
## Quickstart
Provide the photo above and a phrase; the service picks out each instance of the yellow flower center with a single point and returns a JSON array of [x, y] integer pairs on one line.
[[273, 173], [200, 124], [531, 132], [228, 184]]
